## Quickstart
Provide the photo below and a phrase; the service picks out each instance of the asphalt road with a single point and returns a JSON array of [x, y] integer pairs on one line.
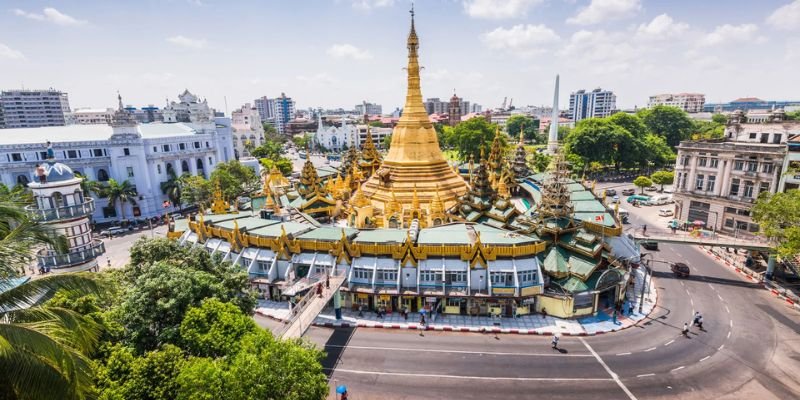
[[750, 349]]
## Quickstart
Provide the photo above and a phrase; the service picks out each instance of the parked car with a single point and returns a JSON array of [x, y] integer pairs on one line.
[[665, 212], [650, 245], [615, 200], [624, 215], [611, 192], [114, 230], [680, 270], [628, 192], [659, 200], [638, 197], [651, 189]]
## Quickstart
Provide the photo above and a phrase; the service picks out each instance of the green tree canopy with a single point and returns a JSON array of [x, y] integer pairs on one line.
[[632, 123], [387, 141], [530, 126], [662, 178], [707, 130], [472, 135], [269, 150], [235, 179], [778, 217], [672, 123], [284, 165], [120, 192], [600, 140], [196, 190], [719, 119], [656, 150], [540, 161], [214, 329], [642, 182]]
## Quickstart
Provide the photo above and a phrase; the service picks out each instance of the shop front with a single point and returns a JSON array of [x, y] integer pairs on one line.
[[411, 303], [455, 305]]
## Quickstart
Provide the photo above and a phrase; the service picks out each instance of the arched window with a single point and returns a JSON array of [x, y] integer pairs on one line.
[[184, 166], [199, 163], [170, 170], [23, 180], [102, 175], [58, 200], [78, 196]]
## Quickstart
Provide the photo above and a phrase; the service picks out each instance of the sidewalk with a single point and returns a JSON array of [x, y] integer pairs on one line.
[[528, 324]]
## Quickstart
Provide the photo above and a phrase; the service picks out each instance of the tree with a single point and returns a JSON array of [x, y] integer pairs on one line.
[[235, 179], [672, 123], [778, 217], [173, 187], [271, 134], [123, 375], [642, 182], [472, 135], [656, 150], [19, 235], [89, 186], [719, 119], [707, 130], [387, 141], [662, 178], [540, 161], [632, 123], [214, 329], [529, 125], [270, 150], [122, 192], [600, 140], [283, 164], [195, 190], [793, 115]]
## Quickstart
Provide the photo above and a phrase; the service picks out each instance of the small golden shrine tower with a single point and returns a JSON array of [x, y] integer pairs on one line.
[[219, 205]]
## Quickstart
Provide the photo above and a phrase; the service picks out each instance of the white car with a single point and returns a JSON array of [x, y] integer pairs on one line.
[[114, 230], [665, 212]]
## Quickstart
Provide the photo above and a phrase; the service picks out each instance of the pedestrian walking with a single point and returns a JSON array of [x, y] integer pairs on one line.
[[644, 229], [696, 318], [544, 312], [685, 329], [554, 342], [422, 319], [405, 313], [319, 290], [614, 317], [328, 282], [700, 322]]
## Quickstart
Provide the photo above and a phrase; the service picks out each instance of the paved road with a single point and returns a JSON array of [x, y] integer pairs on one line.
[[750, 349]]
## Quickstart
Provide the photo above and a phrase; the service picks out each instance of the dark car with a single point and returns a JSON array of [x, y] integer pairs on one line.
[[681, 270], [649, 245], [611, 192], [628, 192]]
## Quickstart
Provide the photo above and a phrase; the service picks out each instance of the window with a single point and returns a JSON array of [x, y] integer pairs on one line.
[[102, 175], [207, 145], [363, 274], [130, 172], [767, 168], [527, 276], [701, 162], [455, 276], [196, 145], [72, 154], [753, 135], [165, 147], [158, 168], [764, 187], [734, 187], [126, 151], [386, 275], [714, 163], [738, 165], [43, 155], [155, 149], [765, 138], [97, 152], [209, 161], [729, 223], [17, 156], [752, 166], [686, 161], [699, 183], [182, 146], [748, 189], [744, 213], [776, 139], [712, 179], [752, 228], [730, 210], [430, 276]]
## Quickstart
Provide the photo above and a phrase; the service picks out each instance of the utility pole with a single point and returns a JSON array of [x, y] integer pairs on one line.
[[644, 282]]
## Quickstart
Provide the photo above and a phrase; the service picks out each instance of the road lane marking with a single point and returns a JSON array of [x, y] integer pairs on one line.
[[677, 369], [721, 347], [644, 375], [729, 334], [682, 284], [727, 309], [705, 358], [670, 342], [624, 354], [650, 349], [720, 297], [439, 376], [711, 286], [691, 301], [457, 351], [610, 372], [731, 323]]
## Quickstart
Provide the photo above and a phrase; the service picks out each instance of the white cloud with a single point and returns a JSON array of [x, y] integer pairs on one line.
[[499, 9], [347, 50], [8, 52], [370, 4], [661, 27], [526, 38], [600, 51], [50, 14], [605, 10], [786, 17], [730, 33], [184, 41]]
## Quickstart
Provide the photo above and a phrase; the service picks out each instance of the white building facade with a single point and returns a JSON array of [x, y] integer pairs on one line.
[[598, 103], [143, 154], [34, 108], [247, 130], [92, 116], [689, 102]]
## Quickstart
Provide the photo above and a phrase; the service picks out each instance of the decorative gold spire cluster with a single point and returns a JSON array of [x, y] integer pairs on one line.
[[372, 159], [520, 168], [310, 183]]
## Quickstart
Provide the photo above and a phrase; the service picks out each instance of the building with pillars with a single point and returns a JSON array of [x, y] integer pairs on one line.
[[717, 181], [144, 154], [248, 132]]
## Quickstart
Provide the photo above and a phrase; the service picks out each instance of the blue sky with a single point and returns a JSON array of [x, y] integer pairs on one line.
[[336, 53]]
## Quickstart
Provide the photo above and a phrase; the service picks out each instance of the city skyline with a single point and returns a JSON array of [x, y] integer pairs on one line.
[[486, 50]]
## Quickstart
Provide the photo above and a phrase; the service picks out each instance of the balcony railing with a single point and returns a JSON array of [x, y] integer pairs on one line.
[[52, 214], [51, 259]]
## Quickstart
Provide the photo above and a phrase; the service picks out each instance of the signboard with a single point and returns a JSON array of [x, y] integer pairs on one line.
[[386, 297], [530, 290], [529, 302], [503, 291], [430, 299]]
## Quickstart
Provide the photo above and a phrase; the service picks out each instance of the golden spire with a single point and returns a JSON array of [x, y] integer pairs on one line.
[[437, 207]]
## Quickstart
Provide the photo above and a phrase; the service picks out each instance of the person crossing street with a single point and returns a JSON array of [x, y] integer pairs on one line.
[[555, 342]]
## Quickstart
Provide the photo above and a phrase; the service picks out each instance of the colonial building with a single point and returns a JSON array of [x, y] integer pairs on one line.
[[248, 131], [92, 116], [144, 154], [689, 102], [717, 181]]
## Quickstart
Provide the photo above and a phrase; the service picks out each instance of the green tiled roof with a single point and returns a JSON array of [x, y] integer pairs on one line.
[[555, 263], [608, 220], [328, 233], [581, 195], [214, 218], [447, 234], [575, 187], [573, 285], [381, 236], [581, 266], [248, 223], [181, 224], [588, 206], [491, 235], [274, 230]]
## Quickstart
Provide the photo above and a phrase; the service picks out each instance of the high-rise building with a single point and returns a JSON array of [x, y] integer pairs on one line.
[[434, 105], [2, 117], [749, 103], [689, 102], [595, 104], [369, 109], [454, 111], [35, 108], [277, 112]]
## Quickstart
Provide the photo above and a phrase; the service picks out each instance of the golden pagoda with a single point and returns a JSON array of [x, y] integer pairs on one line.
[[414, 156]]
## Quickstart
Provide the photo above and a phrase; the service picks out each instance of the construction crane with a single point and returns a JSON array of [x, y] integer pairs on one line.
[[503, 107], [511, 104]]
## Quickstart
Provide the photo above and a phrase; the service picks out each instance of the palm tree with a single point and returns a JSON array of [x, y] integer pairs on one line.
[[120, 191], [42, 349], [89, 186], [173, 187]]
